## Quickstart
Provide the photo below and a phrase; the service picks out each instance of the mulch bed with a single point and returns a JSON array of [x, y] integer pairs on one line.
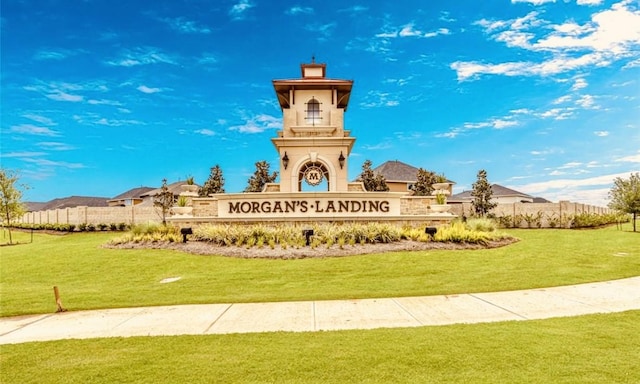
[[266, 252]]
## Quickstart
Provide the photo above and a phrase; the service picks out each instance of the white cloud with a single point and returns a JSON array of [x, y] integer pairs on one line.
[[587, 101], [375, 99], [145, 89], [50, 163], [39, 119], [630, 159], [557, 113], [534, 2], [615, 30], [601, 133], [589, 2], [377, 147], [117, 123], [142, 56], [238, 11], [501, 124], [355, 9], [258, 124], [324, 29], [55, 146], [63, 96], [21, 154], [579, 84], [182, 25], [56, 53], [521, 111], [206, 132], [440, 31], [208, 58], [563, 184], [31, 129], [632, 64], [471, 70], [561, 99], [572, 164], [495, 123], [452, 134], [103, 102], [298, 9], [611, 35], [409, 30]]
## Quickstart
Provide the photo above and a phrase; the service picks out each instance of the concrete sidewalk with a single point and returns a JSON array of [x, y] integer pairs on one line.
[[310, 316]]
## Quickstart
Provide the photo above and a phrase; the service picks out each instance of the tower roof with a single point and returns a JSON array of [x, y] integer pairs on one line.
[[313, 77]]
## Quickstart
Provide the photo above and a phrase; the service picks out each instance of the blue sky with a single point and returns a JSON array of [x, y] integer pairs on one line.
[[102, 96]]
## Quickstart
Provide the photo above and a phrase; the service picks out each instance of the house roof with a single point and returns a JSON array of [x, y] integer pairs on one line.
[[395, 170], [135, 193], [173, 187], [69, 202], [32, 206], [498, 191]]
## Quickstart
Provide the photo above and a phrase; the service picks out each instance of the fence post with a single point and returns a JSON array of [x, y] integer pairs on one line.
[[56, 293]]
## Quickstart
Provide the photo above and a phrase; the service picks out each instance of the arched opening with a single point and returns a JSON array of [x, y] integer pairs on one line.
[[313, 177], [313, 112]]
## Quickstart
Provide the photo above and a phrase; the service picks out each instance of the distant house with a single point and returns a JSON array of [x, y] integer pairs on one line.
[[501, 195], [130, 197], [135, 196], [400, 177], [147, 197]]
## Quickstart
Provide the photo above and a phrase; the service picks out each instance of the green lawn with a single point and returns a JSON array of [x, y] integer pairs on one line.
[[90, 276], [587, 349]]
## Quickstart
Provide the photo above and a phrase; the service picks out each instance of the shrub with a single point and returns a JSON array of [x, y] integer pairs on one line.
[[481, 225], [151, 232], [553, 220], [505, 221]]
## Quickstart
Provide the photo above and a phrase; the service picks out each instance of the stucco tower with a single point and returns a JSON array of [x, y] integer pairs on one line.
[[313, 145]]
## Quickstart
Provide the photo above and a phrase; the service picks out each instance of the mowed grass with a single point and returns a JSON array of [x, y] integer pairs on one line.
[[90, 276], [586, 349]]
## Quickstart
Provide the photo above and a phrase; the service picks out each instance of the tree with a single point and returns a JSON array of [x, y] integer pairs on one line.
[[482, 192], [625, 196], [260, 177], [11, 206], [164, 200], [372, 182], [214, 184], [424, 182]]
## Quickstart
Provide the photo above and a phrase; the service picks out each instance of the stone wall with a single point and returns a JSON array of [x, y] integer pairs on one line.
[[416, 205], [94, 215], [411, 209], [544, 213]]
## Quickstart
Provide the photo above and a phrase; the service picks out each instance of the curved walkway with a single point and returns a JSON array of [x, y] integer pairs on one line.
[[309, 316]]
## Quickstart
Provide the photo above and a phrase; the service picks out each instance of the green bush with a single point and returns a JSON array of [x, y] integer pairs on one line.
[[151, 232], [481, 231], [481, 224]]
